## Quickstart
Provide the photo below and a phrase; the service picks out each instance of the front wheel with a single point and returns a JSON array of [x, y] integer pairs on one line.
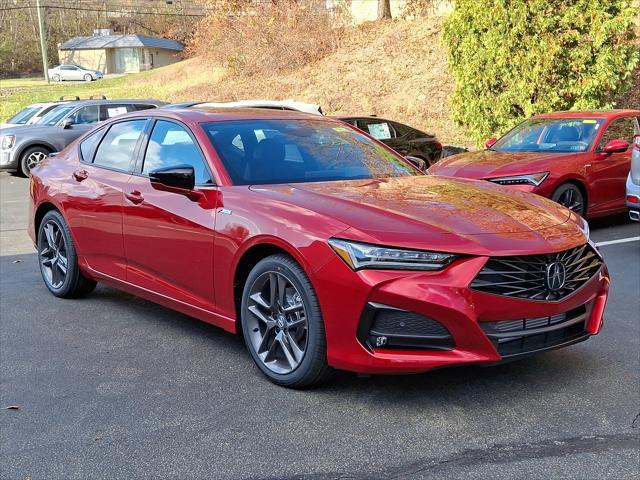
[[30, 158], [58, 259], [282, 324], [570, 196], [88, 78], [56, 78]]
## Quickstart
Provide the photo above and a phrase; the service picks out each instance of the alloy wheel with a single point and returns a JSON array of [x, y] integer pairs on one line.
[[277, 321], [35, 158], [572, 199], [53, 254]]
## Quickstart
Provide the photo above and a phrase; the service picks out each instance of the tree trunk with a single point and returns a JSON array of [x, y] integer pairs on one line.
[[384, 9]]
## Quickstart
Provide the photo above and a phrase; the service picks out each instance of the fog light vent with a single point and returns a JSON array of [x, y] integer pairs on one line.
[[383, 326]]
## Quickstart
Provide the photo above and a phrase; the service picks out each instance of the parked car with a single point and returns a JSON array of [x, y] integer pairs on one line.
[[578, 159], [73, 72], [404, 139], [30, 114], [633, 182], [23, 147], [269, 104], [322, 246]]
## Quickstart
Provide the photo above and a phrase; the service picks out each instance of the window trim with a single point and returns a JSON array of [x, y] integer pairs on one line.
[[106, 128], [142, 153], [99, 132]]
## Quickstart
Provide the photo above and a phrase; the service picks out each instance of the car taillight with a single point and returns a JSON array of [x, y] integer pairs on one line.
[[633, 199]]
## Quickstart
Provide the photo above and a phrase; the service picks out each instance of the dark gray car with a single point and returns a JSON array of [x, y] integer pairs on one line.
[[24, 146]]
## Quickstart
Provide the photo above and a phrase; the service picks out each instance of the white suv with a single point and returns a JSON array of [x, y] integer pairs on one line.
[[633, 182]]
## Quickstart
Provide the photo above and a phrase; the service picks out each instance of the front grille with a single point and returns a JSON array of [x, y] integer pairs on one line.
[[528, 276], [514, 338], [383, 326]]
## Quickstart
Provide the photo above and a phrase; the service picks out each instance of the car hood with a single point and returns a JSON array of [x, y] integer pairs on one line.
[[30, 130], [429, 212], [489, 163]]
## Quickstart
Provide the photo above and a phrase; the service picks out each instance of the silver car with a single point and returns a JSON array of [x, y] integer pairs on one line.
[[22, 147], [633, 182], [30, 114], [73, 72]]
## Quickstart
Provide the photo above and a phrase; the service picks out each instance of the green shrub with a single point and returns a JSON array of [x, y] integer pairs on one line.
[[515, 58]]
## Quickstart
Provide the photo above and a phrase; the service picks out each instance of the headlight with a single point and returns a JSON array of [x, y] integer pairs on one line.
[[534, 179], [7, 141], [362, 255]]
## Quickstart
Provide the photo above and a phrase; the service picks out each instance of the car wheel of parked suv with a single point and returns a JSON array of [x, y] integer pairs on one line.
[[570, 196], [88, 78], [58, 259], [282, 323], [30, 158]]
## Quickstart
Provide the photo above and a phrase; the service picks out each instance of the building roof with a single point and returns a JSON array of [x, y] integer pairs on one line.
[[120, 41]]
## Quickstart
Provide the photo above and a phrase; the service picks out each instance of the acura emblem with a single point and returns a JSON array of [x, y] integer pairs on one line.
[[556, 275]]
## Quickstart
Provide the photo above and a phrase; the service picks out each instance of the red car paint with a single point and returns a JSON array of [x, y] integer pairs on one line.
[[185, 253], [601, 175]]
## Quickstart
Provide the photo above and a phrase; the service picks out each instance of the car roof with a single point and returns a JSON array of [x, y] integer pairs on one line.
[[201, 114], [588, 113]]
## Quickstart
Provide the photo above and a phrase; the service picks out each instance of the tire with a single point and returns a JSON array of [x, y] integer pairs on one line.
[[289, 347], [30, 158], [56, 78], [54, 243], [570, 195], [88, 78]]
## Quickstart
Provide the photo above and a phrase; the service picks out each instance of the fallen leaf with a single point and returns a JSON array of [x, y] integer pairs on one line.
[[12, 407]]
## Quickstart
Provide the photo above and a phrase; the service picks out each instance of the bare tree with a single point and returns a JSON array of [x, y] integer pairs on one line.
[[384, 9]]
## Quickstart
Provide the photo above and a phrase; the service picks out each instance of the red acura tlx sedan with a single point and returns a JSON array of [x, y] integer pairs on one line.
[[578, 159], [322, 246]]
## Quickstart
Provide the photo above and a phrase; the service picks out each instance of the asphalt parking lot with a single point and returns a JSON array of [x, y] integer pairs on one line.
[[112, 386]]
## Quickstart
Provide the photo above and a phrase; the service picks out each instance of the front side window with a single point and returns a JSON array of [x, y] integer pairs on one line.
[[86, 115], [118, 145], [566, 135], [291, 151], [619, 129], [169, 145]]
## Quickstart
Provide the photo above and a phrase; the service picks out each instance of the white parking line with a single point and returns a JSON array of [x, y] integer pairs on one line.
[[613, 242]]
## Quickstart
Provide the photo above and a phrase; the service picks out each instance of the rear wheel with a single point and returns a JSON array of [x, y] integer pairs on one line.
[[56, 78], [569, 195], [58, 259], [30, 158], [88, 78], [282, 323]]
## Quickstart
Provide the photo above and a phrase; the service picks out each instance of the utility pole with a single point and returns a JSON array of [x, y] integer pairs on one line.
[[43, 43]]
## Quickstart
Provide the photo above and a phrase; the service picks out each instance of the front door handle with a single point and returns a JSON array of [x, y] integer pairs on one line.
[[80, 175], [135, 197]]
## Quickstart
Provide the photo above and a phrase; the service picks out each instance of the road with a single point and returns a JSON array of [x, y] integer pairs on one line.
[[112, 386]]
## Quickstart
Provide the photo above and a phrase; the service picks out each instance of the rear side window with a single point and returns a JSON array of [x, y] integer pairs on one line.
[[88, 146], [118, 145], [169, 145]]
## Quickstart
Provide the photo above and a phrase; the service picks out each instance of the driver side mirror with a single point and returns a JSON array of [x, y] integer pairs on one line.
[[67, 122], [419, 163], [616, 146], [177, 178], [490, 143]]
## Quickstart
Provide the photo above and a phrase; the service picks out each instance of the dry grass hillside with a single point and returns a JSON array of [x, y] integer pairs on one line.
[[396, 69]]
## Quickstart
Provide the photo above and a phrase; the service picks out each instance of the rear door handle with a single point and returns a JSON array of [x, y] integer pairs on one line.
[[80, 175], [135, 197]]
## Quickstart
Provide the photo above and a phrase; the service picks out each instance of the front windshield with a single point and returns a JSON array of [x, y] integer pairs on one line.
[[55, 115], [24, 115], [292, 151], [569, 135]]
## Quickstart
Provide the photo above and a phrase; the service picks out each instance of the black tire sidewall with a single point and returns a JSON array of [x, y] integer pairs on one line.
[[24, 168], [314, 361], [73, 272]]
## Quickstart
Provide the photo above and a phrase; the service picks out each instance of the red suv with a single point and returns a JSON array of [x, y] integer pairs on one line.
[[322, 246], [579, 159]]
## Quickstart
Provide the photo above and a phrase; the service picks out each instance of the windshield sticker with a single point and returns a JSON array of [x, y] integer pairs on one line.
[[588, 120]]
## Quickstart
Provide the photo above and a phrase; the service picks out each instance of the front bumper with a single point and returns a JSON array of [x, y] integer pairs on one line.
[[8, 160], [445, 297]]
